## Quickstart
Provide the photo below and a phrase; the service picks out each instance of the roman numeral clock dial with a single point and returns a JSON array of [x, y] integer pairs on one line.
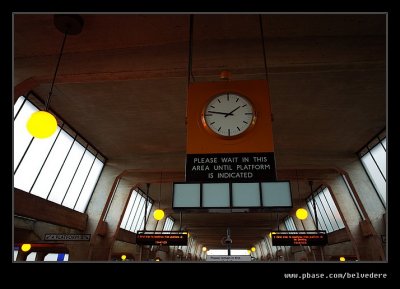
[[228, 115]]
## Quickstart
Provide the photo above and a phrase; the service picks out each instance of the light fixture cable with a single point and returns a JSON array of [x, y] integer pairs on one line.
[[55, 72], [190, 72], [159, 196], [263, 47], [42, 124]]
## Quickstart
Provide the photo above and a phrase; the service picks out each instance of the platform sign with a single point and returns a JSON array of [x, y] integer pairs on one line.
[[296, 239], [223, 258], [232, 167], [161, 239]]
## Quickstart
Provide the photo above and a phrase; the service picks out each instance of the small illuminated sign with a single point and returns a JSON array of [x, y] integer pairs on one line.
[[67, 237], [285, 239], [162, 239], [218, 258]]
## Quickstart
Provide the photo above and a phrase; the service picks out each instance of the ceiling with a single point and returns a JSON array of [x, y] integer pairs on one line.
[[122, 84]]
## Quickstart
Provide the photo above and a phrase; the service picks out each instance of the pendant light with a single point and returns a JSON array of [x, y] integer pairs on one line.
[[301, 213], [26, 247], [43, 124], [159, 214]]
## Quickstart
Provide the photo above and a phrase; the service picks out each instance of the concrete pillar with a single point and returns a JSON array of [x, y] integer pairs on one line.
[[368, 196], [100, 245], [367, 248]]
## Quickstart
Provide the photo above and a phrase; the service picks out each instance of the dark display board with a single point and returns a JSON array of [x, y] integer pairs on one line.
[[161, 239], [319, 239]]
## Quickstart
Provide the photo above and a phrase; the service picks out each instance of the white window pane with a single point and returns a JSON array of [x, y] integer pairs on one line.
[[134, 209], [18, 104], [335, 211], [54, 257], [321, 225], [379, 155], [321, 217], [311, 209], [375, 175], [128, 210], [323, 213], [21, 135], [65, 177], [328, 210], [89, 185], [15, 255], [137, 216], [32, 162], [150, 206], [31, 256], [289, 223], [53, 165], [51, 257], [384, 142], [141, 226], [169, 223], [140, 215], [79, 178]]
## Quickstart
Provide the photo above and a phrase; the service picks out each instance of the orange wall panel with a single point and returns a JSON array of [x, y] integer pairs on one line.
[[257, 139]]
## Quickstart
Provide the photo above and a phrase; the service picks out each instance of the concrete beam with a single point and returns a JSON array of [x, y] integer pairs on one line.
[[31, 206]]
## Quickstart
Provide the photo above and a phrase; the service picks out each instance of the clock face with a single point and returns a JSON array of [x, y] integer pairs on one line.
[[229, 114]]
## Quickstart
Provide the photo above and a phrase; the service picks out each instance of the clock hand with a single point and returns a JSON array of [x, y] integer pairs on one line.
[[231, 113], [220, 112]]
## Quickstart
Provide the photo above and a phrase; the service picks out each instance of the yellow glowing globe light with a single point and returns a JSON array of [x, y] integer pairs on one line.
[[204, 249], [270, 234], [158, 214], [253, 249], [342, 259], [157, 259], [301, 214], [41, 124], [123, 257], [26, 247]]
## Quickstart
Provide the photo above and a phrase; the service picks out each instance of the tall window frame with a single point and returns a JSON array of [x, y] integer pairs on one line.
[[373, 158], [328, 215], [63, 168], [133, 219], [168, 225]]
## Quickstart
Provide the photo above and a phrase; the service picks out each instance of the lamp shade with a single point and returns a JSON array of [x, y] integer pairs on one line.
[[158, 214], [301, 214], [41, 124], [26, 247]]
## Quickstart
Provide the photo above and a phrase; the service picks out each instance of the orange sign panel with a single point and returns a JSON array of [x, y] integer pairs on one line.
[[246, 102]]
